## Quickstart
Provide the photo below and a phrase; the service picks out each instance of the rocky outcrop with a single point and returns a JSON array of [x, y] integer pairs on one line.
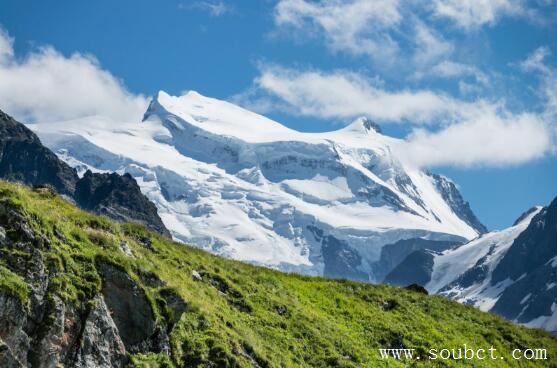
[[118, 197], [531, 263], [46, 329], [23, 158], [14, 341], [393, 254], [131, 310], [454, 199], [415, 269], [100, 345]]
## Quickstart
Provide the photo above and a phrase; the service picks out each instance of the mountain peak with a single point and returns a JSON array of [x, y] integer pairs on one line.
[[526, 215], [365, 125]]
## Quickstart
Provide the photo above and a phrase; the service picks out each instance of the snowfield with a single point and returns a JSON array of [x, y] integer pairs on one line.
[[243, 186]]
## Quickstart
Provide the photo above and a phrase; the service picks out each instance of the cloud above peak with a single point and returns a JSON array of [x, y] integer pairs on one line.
[[359, 27], [446, 130], [48, 86]]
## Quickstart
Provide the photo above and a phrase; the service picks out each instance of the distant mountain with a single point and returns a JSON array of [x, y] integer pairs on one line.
[[240, 185], [23, 158], [512, 272]]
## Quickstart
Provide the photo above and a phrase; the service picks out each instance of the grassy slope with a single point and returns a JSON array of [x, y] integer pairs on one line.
[[321, 322]]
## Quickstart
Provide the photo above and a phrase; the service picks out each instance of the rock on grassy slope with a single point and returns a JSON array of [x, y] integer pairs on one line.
[[78, 290]]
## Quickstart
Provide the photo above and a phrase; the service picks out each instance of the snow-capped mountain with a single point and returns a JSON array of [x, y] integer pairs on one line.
[[243, 186], [512, 272]]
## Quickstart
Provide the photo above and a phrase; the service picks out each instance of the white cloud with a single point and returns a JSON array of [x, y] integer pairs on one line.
[[6, 46], [359, 27], [451, 69], [344, 94], [47, 86], [430, 46], [215, 9], [473, 14], [460, 133], [536, 62], [491, 139]]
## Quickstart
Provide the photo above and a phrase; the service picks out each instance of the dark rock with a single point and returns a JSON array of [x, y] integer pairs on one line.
[[460, 207], [281, 310], [393, 254], [130, 308], [53, 340], [118, 197], [417, 288], [58, 234], [415, 269], [530, 262], [532, 248], [175, 306], [7, 359], [340, 260], [16, 343], [23, 158], [389, 305]]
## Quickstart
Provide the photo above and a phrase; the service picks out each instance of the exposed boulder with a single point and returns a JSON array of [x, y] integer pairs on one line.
[[101, 345], [131, 310]]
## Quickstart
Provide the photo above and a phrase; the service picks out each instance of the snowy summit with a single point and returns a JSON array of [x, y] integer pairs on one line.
[[241, 185]]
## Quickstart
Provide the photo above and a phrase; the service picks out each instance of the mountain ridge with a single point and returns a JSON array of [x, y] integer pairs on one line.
[[509, 272]]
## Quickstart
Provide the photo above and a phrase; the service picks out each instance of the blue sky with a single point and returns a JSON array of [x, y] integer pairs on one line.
[[472, 85]]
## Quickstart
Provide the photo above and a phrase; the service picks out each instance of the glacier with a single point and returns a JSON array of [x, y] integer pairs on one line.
[[240, 185]]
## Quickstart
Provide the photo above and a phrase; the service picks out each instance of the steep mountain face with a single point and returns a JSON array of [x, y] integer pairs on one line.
[[243, 186], [23, 158], [81, 291], [393, 254], [452, 196], [511, 272]]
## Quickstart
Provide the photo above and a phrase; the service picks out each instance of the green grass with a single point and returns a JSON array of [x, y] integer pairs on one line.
[[263, 317]]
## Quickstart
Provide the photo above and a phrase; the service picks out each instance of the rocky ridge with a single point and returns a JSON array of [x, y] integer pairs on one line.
[[23, 158]]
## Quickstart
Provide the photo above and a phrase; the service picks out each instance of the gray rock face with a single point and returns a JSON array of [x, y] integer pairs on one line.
[[24, 158], [131, 311], [415, 269], [393, 254], [101, 345], [7, 359], [340, 260], [452, 196], [15, 342]]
